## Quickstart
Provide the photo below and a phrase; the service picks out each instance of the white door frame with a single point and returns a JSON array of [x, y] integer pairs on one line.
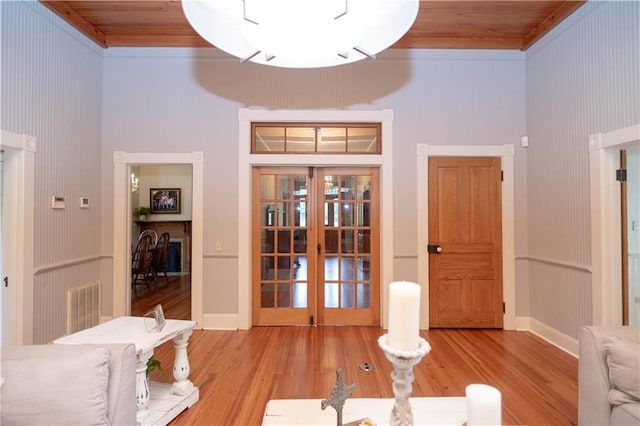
[[19, 220], [246, 161], [506, 153], [606, 251], [122, 162]]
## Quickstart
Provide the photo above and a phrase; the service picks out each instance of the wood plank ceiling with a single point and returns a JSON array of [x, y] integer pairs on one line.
[[464, 24]]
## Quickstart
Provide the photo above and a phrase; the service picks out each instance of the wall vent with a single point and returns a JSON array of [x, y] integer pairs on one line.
[[83, 307]]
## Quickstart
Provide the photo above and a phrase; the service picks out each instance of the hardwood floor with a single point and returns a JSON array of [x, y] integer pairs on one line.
[[239, 371], [174, 297]]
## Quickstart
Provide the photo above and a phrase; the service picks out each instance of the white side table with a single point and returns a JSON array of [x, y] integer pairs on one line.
[[156, 403], [426, 411]]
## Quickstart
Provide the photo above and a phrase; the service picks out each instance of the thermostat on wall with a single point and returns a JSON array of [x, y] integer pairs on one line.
[[84, 202], [57, 202]]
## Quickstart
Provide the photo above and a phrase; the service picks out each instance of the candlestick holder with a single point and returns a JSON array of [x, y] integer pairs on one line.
[[402, 376]]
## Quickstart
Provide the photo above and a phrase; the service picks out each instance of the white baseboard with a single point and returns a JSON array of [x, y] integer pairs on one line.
[[522, 324], [220, 321], [550, 334]]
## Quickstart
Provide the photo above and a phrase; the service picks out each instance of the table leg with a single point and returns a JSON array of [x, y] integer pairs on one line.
[[142, 386], [181, 369]]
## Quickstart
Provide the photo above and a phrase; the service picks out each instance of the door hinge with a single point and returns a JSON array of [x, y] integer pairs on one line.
[[621, 175], [310, 172], [504, 308], [501, 175], [6, 281]]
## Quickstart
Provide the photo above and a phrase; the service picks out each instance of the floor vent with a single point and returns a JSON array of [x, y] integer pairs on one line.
[[83, 307]]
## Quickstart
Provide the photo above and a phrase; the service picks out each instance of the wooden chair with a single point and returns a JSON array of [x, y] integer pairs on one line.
[[154, 236], [159, 263], [141, 263]]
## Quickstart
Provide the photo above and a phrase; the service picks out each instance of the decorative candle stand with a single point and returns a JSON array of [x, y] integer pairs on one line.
[[402, 376]]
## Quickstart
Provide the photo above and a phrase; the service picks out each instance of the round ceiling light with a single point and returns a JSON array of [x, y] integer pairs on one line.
[[301, 33]]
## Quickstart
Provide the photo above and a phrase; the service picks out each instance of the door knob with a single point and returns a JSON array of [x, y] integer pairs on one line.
[[434, 248]]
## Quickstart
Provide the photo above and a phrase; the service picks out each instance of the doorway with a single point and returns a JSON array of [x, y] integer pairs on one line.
[[606, 227], [315, 241], [122, 237], [166, 276], [630, 235], [18, 188], [506, 154]]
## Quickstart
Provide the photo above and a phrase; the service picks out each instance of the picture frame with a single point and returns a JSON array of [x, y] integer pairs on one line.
[[165, 200], [157, 314]]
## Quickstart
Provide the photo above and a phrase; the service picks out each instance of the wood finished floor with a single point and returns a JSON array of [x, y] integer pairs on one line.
[[175, 297], [239, 371]]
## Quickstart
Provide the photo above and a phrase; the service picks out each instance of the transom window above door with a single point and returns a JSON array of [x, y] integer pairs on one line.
[[318, 138]]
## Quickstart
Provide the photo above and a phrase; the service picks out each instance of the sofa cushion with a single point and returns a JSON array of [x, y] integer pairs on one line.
[[623, 360], [60, 389], [625, 414]]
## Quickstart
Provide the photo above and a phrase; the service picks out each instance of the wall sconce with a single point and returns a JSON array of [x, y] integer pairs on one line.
[[135, 183]]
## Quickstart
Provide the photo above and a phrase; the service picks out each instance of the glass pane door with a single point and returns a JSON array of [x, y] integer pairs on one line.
[[281, 276], [348, 240], [315, 246]]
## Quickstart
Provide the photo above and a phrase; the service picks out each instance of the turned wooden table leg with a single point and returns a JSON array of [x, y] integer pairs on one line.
[[181, 369], [142, 386]]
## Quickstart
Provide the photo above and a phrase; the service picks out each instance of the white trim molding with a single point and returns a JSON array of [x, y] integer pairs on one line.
[[506, 153], [122, 162], [246, 161], [18, 255], [606, 253]]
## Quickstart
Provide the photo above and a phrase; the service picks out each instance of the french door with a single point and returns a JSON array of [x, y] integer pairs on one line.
[[315, 254]]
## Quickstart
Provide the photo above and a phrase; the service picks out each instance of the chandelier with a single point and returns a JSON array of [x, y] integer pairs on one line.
[[301, 33]]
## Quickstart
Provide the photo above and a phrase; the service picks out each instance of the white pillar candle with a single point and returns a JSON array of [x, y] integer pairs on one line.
[[484, 405], [404, 315]]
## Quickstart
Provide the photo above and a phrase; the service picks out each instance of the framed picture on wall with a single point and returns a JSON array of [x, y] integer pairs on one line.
[[164, 200]]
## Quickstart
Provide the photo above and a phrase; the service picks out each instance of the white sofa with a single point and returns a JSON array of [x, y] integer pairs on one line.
[[68, 384], [609, 376]]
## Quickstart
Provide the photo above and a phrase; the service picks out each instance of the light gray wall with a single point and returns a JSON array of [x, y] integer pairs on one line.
[[582, 78], [52, 89], [166, 100]]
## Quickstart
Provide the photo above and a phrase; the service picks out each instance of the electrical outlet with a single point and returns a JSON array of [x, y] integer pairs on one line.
[[218, 245]]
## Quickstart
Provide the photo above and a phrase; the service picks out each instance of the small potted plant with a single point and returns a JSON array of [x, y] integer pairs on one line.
[[153, 364], [141, 212]]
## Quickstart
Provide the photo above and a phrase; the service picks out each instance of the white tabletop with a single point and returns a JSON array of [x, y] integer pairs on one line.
[[129, 330], [426, 411]]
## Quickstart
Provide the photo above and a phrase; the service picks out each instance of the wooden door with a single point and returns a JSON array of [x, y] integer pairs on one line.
[[315, 246], [348, 246], [465, 243], [283, 270]]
